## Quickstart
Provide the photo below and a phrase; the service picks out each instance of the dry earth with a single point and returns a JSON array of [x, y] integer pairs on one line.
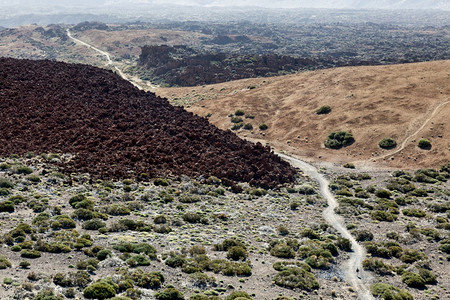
[[371, 102]]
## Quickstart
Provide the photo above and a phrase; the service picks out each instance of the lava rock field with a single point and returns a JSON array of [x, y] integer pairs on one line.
[[114, 130]]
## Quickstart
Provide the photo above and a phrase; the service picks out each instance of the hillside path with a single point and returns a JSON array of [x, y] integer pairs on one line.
[[403, 145], [355, 275], [108, 58]]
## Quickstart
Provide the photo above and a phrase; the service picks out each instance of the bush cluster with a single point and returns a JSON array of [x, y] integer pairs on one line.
[[339, 139]]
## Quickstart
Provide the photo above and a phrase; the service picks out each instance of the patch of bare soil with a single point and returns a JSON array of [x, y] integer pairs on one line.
[[370, 102], [115, 130]]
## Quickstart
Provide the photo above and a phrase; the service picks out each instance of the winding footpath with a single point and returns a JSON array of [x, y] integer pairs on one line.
[[355, 275], [108, 58], [403, 145]]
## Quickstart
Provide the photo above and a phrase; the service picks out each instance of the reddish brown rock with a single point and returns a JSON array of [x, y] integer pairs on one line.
[[117, 131]]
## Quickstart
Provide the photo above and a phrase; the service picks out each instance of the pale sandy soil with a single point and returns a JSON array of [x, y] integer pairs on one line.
[[371, 102]]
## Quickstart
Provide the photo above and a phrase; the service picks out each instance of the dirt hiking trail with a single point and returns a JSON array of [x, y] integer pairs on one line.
[[356, 276]]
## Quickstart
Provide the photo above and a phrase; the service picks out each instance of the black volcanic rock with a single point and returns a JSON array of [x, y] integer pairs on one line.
[[117, 131]]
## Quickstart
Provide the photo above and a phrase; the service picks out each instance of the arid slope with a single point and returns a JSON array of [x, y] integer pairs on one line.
[[371, 102]]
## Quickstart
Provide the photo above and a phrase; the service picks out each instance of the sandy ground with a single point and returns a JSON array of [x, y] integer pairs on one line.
[[372, 103]]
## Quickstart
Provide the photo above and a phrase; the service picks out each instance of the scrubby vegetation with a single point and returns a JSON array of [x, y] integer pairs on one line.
[[339, 139]]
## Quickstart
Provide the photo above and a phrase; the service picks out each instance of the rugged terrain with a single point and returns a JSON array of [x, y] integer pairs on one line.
[[114, 130], [372, 103]]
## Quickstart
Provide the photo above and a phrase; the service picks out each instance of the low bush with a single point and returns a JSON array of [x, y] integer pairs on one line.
[[5, 183], [227, 244], [414, 212], [99, 290], [296, 278], [169, 294], [150, 280], [239, 112], [238, 295], [94, 224], [263, 126], [337, 140], [363, 235], [4, 263], [161, 182], [387, 143], [282, 250], [413, 280], [323, 110], [237, 253], [27, 253], [424, 144], [389, 292], [7, 206], [191, 217]]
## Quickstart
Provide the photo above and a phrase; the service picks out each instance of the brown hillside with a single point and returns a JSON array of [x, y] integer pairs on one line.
[[371, 102]]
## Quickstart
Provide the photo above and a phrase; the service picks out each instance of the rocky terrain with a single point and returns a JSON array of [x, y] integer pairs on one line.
[[113, 130]]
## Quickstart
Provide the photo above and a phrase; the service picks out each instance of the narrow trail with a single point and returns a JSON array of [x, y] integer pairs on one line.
[[403, 145], [109, 60], [358, 280]]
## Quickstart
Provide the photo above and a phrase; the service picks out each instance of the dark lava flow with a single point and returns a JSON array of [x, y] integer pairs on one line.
[[116, 131]]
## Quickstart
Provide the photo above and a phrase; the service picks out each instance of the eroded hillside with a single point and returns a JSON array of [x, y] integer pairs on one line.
[[404, 102]]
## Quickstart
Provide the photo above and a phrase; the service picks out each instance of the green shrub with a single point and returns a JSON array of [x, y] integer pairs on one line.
[[296, 278], [387, 143], [389, 292], [410, 256], [238, 294], [414, 212], [7, 206], [34, 178], [5, 183], [27, 253], [337, 140], [413, 280], [282, 250], [4, 263], [263, 126], [94, 224], [227, 244], [161, 182], [363, 235], [237, 253], [445, 247], [377, 266], [169, 294], [24, 170], [138, 260], [83, 214], [428, 276], [236, 120], [380, 215], [191, 217], [4, 192], [99, 290], [103, 254], [248, 126], [160, 219], [47, 294], [384, 194], [239, 112], [237, 126], [424, 144], [151, 280], [323, 110], [175, 260]]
